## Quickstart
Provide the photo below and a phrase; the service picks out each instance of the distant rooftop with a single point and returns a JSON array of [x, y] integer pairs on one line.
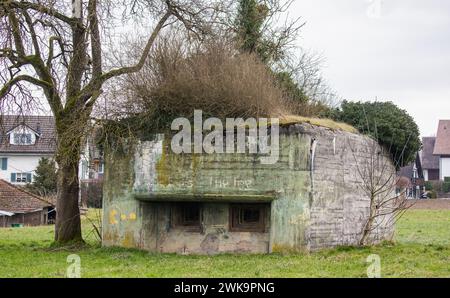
[[442, 146], [429, 161], [44, 125], [16, 200]]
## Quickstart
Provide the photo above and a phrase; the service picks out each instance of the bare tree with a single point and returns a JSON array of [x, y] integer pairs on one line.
[[378, 177], [61, 48]]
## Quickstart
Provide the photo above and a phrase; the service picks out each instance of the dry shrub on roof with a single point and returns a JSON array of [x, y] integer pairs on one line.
[[213, 77]]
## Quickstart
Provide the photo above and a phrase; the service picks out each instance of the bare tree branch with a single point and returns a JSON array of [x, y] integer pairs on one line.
[[42, 45], [7, 87], [88, 90], [24, 5], [95, 39]]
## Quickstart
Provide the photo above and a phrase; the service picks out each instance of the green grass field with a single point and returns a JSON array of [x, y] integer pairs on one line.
[[421, 249]]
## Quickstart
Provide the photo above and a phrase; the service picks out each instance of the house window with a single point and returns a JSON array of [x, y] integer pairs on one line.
[[100, 167], [4, 163], [22, 138], [84, 170], [187, 216], [21, 177], [247, 217]]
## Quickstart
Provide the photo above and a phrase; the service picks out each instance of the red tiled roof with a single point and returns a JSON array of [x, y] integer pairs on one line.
[[442, 146], [16, 200], [44, 125]]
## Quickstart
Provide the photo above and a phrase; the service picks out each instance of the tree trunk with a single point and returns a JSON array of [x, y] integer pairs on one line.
[[368, 225], [366, 231], [68, 223]]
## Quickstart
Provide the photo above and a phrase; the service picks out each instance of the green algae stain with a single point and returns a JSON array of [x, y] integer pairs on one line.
[[162, 169]]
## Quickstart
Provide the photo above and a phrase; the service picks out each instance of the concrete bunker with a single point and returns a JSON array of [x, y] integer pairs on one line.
[[310, 199]]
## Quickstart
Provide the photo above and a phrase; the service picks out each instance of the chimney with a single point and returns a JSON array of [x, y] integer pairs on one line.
[[38, 130]]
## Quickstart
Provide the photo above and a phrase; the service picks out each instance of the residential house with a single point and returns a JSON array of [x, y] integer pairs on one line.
[[91, 172], [24, 140], [412, 179], [430, 162], [19, 207], [442, 148]]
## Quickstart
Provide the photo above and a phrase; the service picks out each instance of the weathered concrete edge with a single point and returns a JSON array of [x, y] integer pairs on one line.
[[170, 197]]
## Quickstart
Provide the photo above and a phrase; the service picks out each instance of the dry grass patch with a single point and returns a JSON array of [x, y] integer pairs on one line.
[[292, 119]]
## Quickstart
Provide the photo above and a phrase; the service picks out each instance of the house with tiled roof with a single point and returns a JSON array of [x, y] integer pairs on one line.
[[19, 207], [24, 140], [91, 172], [430, 162], [411, 179], [442, 148]]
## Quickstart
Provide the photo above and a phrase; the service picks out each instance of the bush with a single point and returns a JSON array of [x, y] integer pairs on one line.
[[432, 194], [91, 193], [44, 182], [428, 186], [213, 78], [446, 187], [437, 185], [391, 126], [446, 179]]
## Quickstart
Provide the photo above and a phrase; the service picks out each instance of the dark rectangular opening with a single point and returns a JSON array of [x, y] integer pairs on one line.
[[248, 217], [187, 216]]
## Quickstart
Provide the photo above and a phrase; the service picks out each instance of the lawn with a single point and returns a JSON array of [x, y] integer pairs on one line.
[[421, 249]]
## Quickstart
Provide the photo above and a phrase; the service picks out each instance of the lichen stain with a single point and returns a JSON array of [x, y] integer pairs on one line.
[[300, 219], [132, 216], [195, 163], [244, 246], [128, 239], [286, 249], [161, 166], [112, 217], [210, 244], [110, 236]]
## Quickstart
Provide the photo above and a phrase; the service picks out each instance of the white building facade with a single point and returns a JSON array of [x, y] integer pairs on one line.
[[444, 164], [24, 140], [442, 148]]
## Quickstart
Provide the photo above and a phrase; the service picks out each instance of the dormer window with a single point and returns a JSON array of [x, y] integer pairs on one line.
[[23, 135], [22, 138]]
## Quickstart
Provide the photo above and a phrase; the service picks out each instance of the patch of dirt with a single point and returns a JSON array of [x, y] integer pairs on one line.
[[432, 204]]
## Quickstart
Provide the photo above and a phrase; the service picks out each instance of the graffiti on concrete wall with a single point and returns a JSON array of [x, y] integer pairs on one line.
[[115, 216], [230, 182]]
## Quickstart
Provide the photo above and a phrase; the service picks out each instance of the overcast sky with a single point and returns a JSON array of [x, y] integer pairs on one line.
[[396, 50]]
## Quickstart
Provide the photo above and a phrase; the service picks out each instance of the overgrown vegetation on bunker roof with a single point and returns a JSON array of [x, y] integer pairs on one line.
[[322, 122], [216, 79]]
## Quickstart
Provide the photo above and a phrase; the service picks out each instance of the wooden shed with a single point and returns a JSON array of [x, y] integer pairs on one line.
[[19, 207]]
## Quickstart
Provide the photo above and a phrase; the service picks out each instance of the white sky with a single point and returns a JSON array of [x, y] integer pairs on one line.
[[396, 50]]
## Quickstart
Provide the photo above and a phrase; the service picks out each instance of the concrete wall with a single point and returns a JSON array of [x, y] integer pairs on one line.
[[340, 207], [20, 163], [314, 192], [214, 237], [133, 183]]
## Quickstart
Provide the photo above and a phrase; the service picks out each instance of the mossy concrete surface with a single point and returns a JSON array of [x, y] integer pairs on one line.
[[313, 191]]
